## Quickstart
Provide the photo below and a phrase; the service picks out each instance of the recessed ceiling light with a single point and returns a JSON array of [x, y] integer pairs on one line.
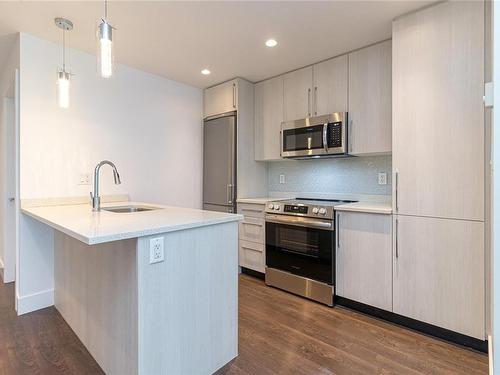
[[205, 72], [271, 43]]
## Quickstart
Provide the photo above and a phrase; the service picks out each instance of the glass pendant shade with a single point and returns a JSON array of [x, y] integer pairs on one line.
[[63, 82], [105, 53]]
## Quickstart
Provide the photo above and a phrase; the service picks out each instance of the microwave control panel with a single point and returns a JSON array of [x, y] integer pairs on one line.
[[335, 134]]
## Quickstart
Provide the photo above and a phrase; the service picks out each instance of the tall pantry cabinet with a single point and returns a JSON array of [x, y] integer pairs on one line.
[[438, 164]]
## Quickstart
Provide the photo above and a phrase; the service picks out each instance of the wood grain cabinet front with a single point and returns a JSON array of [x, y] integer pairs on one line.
[[364, 258], [220, 99]]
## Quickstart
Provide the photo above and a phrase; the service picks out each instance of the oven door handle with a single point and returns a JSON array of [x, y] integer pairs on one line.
[[300, 222]]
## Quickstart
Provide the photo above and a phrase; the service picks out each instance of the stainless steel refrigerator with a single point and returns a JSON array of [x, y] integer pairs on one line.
[[219, 163]]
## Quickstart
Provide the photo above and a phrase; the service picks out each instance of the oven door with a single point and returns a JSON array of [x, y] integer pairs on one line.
[[301, 246]]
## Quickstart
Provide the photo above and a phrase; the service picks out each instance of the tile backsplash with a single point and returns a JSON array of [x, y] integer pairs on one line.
[[349, 176]]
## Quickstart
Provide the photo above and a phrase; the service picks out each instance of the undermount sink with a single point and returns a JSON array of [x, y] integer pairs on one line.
[[129, 209]]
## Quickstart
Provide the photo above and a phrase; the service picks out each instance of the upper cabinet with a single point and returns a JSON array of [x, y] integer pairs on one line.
[[268, 118], [438, 130], [370, 100], [298, 95], [358, 83], [221, 98], [330, 86]]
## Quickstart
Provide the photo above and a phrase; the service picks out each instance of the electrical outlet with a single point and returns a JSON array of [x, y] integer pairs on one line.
[[156, 253], [84, 179], [382, 178], [282, 179]]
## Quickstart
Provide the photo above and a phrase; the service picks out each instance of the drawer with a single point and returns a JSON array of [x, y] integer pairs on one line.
[[252, 209], [252, 229], [252, 255]]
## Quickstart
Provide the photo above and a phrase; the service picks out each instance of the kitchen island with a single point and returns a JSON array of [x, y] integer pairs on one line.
[[176, 316]]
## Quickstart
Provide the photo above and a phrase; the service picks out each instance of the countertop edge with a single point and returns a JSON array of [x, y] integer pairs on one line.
[[132, 234], [58, 227], [368, 208]]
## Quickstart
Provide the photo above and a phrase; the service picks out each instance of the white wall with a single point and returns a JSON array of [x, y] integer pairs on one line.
[[7, 80], [149, 126]]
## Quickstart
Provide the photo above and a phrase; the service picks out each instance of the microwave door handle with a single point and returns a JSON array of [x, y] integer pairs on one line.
[[325, 136]]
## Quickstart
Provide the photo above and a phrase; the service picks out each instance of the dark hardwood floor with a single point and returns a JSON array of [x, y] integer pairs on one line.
[[39, 343], [282, 333], [279, 334]]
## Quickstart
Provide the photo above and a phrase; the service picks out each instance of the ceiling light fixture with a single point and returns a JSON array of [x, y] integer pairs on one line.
[[205, 72], [271, 43], [63, 77], [105, 33]]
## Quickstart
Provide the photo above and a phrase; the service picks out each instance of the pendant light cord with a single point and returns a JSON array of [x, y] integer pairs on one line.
[[64, 50], [106, 10]]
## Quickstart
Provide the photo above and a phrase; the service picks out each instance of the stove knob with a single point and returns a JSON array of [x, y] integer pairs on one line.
[[270, 206], [315, 210], [276, 206], [322, 211]]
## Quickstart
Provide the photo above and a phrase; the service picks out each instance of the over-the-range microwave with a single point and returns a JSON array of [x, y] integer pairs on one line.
[[321, 136]]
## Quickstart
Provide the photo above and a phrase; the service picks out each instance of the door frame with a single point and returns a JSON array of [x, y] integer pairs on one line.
[[11, 271]]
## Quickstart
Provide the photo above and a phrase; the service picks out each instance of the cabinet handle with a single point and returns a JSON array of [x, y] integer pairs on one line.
[[338, 230], [252, 209], [396, 183], [254, 224], [309, 102], [350, 136], [234, 95], [316, 100], [397, 238]]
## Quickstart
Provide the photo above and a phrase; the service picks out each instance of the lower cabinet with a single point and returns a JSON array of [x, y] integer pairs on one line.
[[439, 272], [252, 238], [364, 258], [252, 255]]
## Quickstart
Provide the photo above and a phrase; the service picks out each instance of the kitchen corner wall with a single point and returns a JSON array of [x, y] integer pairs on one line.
[[349, 177]]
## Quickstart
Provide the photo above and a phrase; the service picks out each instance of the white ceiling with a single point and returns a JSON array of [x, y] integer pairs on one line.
[[178, 39]]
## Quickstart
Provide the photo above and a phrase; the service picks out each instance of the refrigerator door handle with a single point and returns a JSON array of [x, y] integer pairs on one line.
[[230, 194]]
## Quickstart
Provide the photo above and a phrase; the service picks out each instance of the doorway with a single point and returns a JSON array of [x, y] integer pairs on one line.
[[9, 202]]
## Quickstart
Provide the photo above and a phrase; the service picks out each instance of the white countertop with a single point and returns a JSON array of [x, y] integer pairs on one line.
[[260, 200], [370, 207], [80, 222]]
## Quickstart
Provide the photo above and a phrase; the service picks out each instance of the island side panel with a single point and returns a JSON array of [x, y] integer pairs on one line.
[[96, 293], [188, 304]]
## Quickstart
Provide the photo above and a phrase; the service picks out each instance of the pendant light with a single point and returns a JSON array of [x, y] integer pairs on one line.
[[63, 77], [105, 34]]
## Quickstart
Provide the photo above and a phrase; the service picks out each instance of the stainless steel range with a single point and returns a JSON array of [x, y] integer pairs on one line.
[[300, 247]]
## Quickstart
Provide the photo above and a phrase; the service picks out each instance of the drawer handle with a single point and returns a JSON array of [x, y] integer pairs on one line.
[[249, 248], [251, 210], [257, 225]]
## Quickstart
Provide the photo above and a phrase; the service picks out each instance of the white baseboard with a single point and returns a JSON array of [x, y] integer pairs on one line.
[[35, 301], [490, 353]]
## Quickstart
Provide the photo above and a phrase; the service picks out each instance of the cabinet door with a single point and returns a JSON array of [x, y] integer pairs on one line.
[[268, 118], [370, 100], [364, 258], [220, 99], [438, 130], [330, 86], [439, 272], [298, 94]]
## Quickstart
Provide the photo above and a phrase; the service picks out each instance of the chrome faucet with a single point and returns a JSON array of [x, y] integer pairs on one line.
[[96, 199]]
